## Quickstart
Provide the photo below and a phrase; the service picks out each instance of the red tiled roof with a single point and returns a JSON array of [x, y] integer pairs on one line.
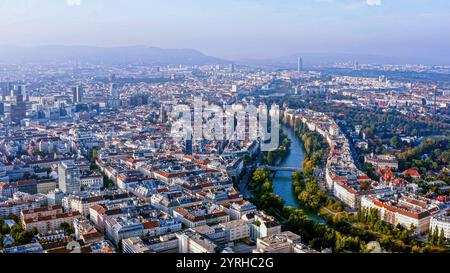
[[151, 224], [412, 173]]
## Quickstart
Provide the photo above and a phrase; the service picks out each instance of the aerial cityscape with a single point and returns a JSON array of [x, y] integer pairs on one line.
[[107, 146]]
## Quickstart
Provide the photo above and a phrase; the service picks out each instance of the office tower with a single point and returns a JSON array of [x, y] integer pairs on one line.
[[2, 108], [6, 88], [163, 114], [114, 91], [189, 149], [232, 68], [10, 86], [300, 65], [3, 89], [4, 178], [74, 91], [328, 94], [69, 177], [356, 66], [77, 94], [3, 92], [18, 108], [21, 90], [139, 99]]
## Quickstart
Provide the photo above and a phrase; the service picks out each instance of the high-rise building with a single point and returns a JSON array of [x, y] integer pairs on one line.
[[163, 114], [232, 68], [5, 88], [23, 91], [114, 91], [139, 99], [69, 177], [77, 94], [189, 148], [3, 93], [300, 65], [18, 90], [112, 77], [18, 107]]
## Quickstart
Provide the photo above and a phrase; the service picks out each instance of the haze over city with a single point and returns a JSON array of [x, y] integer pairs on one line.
[[236, 30]]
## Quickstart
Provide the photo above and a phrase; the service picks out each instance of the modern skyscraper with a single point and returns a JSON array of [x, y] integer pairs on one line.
[[21, 89], [163, 115], [77, 94], [189, 148], [3, 93], [114, 91], [300, 65], [5, 88], [69, 177], [18, 108]]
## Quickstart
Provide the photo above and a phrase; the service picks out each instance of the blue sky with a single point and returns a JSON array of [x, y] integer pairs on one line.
[[235, 28]]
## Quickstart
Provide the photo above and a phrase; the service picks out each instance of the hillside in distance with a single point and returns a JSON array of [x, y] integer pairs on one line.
[[106, 55]]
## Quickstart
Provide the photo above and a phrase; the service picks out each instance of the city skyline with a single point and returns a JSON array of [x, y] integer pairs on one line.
[[245, 29]]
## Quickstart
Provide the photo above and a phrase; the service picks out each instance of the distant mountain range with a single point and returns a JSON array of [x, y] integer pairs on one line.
[[104, 55], [185, 56]]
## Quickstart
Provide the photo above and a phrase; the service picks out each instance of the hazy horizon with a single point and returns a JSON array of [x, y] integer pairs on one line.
[[189, 48], [246, 29]]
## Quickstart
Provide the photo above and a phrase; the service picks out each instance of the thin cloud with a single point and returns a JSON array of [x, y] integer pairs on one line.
[[73, 3], [373, 2]]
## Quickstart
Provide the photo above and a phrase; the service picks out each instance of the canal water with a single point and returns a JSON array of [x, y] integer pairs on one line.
[[282, 181]]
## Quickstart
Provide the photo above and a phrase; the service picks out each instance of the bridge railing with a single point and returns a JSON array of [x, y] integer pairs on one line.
[[286, 169]]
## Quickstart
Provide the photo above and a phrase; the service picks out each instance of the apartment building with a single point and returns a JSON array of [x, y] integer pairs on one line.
[[47, 219]]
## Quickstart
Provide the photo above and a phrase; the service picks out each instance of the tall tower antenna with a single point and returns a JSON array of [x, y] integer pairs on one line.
[[435, 100]]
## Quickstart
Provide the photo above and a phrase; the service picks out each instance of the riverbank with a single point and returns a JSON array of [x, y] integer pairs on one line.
[[282, 181], [318, 232], [279, 187]]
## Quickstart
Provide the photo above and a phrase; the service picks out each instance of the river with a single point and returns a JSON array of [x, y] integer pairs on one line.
[[282, 181]]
